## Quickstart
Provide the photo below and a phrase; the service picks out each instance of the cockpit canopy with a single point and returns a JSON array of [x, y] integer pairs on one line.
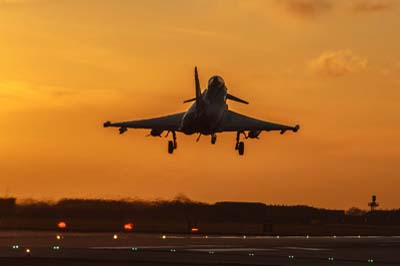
[[216, 82]]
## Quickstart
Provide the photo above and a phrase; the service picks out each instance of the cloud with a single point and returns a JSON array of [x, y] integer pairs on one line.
[[16, 95], [338, 63], [14, 1], [20, 2], [305, 8], [391, 71], [371, 5]]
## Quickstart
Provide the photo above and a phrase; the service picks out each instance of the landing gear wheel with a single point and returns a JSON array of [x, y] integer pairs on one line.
[[213, 139], [241, 148], [170, 147]]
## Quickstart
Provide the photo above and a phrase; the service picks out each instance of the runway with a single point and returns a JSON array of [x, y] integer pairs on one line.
[[52, 248]]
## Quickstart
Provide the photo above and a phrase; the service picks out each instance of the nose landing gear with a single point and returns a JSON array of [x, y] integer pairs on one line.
[[172, 144], [170, 147], [213, 138]]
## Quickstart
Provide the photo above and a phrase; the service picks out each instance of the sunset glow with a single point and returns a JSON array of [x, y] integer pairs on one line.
[[331, 66]]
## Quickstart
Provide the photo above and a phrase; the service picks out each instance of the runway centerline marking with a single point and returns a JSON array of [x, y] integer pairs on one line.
[[304, 248], [158, 247], [229, 249]]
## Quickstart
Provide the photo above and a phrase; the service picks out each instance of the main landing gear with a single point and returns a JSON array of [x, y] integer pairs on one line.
[[172, 144], [239, 144]]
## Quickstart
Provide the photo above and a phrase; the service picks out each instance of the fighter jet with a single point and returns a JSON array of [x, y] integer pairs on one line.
[[208, 115]]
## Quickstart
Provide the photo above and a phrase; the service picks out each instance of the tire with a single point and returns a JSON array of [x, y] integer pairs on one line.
[[241, 148], [170, 147]]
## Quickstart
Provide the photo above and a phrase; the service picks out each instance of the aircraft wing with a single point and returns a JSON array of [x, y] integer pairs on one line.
[[233, 121], [168, 122]]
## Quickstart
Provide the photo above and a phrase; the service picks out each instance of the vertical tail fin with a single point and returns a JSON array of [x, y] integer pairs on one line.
[[198, 89]]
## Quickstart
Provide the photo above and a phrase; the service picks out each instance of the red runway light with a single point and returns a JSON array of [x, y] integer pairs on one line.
[[128, 226], [62, 225], [195, 230]]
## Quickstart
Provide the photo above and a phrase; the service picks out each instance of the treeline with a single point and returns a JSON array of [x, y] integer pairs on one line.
[[183, 209]]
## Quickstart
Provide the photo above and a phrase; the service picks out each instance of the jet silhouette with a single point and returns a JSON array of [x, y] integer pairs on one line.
[[208, 115]]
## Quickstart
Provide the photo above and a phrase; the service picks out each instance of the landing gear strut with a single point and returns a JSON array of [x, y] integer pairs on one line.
[[172, 144], [213, 138], [239, 144]]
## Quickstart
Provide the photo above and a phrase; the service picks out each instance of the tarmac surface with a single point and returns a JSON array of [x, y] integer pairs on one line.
[[52, 248]]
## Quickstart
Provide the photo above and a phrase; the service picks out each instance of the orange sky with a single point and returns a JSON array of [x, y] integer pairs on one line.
[[331, 66]]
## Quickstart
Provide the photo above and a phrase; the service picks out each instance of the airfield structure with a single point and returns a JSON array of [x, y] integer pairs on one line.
[[373, 204]]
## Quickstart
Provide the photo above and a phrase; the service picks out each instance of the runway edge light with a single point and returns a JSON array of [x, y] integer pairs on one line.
[[62, 225], [128, 227]]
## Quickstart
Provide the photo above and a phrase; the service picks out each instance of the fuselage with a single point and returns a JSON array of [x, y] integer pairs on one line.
[[206, 117]]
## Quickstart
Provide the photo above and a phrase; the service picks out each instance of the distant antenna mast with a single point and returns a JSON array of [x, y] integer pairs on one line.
[[373, 204]]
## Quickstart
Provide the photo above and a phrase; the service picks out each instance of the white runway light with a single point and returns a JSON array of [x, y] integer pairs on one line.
[[115, 236], [15, 247], [163, 236], [58, 237]]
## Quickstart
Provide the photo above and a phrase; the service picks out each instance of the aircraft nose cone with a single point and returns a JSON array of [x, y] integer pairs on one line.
[[216, 81]]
